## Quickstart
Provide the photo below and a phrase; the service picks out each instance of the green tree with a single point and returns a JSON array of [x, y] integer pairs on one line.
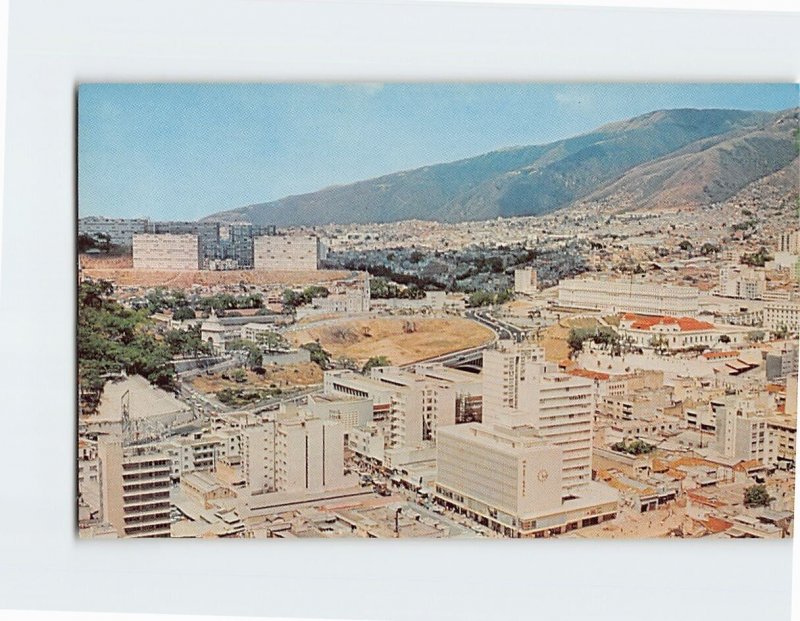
[[113, 338], [724, 338], [375, 361], [757, 496], [184, 312], [272, 341], [254, 355], [318, 354]]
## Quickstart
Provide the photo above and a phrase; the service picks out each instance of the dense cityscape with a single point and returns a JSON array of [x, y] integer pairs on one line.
[[595, 372]]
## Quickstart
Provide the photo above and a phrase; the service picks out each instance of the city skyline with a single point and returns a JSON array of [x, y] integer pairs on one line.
[[150, 149]]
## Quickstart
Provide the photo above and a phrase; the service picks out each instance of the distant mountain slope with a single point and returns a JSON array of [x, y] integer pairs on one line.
[[537, 179], [707, 171]]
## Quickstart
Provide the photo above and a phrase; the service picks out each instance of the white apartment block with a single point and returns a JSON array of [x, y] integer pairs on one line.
[[504, 369], [616, 296], [740, 281], [309, 454], [286, 252], [258, 457], [782, 314], [294, 451], [790, 242], [166, 251], [525, 281], [782, 431], [418, 407], [741, 429], [135, 488]]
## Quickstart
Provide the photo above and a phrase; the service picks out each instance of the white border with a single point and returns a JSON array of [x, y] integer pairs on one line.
[[54, 44]]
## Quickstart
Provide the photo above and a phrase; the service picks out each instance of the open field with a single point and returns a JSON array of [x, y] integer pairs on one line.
[[401, 340]]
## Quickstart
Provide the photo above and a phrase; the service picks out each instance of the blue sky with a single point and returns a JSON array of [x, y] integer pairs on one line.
[[182, 151]]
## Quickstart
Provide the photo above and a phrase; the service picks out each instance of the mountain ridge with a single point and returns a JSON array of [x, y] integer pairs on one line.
[[595, 166]]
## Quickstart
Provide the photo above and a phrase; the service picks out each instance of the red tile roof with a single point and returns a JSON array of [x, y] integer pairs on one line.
[[717, 525], [685, 324], [596, 375], [712, 355]]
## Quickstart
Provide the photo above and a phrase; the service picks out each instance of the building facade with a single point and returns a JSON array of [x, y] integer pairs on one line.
[[740, 281], [166, 251], [525, 281], [287, 252], [782, 314], [135, 488], [627, 296]]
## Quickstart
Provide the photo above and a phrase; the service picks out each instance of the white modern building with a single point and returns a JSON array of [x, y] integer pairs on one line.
[[741, 428], [741, 281], [294, 451], [510, 480], [525, 281], [166, 251], [790, 242], [135, 488], [287, 252], [614, 296], [780, 314]]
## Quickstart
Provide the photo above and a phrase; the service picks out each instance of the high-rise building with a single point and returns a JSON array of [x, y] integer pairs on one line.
[[525, 281], [503, 373], [790, 242], [118, 231], [294, 450], [135, 487], [741, 428], [526, 469], [520, 388]]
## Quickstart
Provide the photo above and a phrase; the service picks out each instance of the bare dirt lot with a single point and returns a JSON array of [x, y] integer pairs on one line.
[[185, 279], [286, 376], [401, 340]]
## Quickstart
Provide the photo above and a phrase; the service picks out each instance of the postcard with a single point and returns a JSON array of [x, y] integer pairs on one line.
[[444, 310]]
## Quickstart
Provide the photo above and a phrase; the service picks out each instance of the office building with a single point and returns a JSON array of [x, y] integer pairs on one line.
[[520, 388], [510, 480]]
